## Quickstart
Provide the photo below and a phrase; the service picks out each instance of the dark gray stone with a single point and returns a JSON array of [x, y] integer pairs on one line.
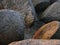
[[39, 8], [12, 26], [35, 2], [30, 31]]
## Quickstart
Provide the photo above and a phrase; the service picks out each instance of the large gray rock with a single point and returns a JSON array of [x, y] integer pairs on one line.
[[23, 6], [12, 26], [51, 13]]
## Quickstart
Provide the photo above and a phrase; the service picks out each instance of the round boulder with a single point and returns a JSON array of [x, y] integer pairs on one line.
[[12, 26]]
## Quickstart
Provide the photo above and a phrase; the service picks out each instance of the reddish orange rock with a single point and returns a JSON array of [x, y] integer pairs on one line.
[[47, 30]]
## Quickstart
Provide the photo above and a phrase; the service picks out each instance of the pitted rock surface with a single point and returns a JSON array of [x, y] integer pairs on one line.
[[36, 42], [12, 26]]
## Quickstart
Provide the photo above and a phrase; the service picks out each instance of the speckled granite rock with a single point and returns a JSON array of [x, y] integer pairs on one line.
[[12, 26], [36, 42], [23, 6], [29, 19]]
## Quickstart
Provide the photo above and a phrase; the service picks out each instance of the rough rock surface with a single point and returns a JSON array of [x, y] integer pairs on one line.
[[36, 42], [12, 26], [22, 6], [35, 2]]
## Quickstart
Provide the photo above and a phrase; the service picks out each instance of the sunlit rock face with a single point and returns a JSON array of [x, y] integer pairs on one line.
[[12, 26]]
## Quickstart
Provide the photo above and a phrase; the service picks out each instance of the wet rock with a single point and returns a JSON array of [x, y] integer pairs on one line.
[[36, 42], [12, 26], [51, 13], [48, 31]]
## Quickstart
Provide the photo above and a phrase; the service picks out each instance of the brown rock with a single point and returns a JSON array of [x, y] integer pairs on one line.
[[47, 30]]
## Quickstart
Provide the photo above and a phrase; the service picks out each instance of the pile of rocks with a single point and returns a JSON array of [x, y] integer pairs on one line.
[[29, 19]]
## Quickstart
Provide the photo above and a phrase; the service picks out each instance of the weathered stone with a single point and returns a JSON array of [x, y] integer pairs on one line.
[[42, 6], [48, 30], [51, 13], [12, 26], [36, 42]]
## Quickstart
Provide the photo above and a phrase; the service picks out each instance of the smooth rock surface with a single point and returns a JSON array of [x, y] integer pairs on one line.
[[35, 2], [52, 13]]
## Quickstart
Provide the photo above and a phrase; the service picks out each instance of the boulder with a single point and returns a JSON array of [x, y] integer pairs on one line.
[[12, 26]]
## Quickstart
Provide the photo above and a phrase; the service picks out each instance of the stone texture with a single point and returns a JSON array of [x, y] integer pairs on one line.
[[51, 13], [22, 6], [41, 7], [36, 42], [35, 2], [12, 26], [30, 31], [47, 31], [29, 19]]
